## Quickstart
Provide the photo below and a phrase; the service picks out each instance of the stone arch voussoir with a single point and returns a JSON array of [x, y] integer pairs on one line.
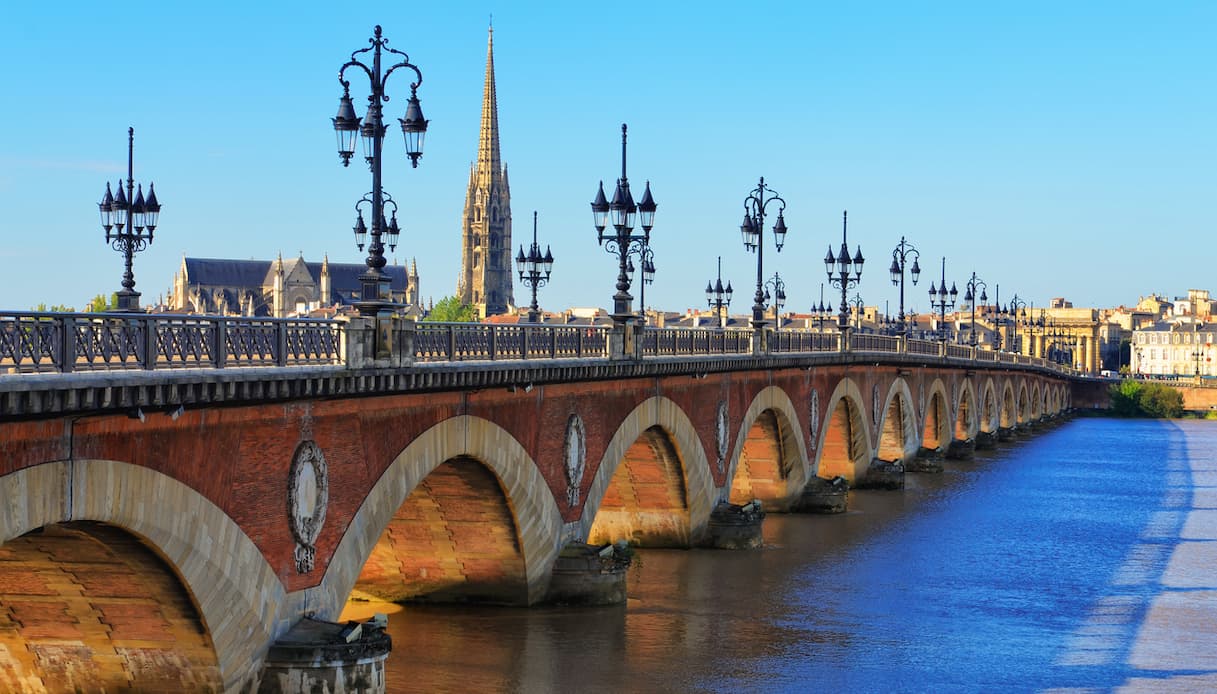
[[535, 511], [700, 493], [773, 398]]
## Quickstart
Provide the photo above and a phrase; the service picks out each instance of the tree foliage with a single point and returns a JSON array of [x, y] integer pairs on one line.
[[55, 308], [100, 304], [1131, 398], [450, 310]]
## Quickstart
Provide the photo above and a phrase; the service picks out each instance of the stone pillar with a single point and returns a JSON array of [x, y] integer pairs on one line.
[[318, 656], [823, 496], [586, 574], [760, 341], [380, 342], [621, 341], [883, 474], [735, 527]]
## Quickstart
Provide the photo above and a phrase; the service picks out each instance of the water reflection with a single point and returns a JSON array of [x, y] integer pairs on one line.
[[973, 579]]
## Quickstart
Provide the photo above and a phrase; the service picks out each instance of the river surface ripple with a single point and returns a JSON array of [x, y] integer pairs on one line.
[[1078, 559]]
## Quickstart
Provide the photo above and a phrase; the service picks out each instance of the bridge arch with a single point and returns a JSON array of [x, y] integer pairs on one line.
[[845, 442], [988, 407], [238, 597], [935, 427], [1009, 410], [966, 418], [898, 439], [1037, 401], [469, 440], [658, 424], [769, 460], [1024, 403]]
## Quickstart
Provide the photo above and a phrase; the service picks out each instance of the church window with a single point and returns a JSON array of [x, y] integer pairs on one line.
[[476, 258], [477, 241], [477, 215]]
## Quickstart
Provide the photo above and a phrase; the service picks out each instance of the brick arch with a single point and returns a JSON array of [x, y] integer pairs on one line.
[[1009, 407], [771, 451], [700, 495], [898, 437], [1024, 403], [238, 596], [535, 511], [1037, 401], [844, 435], [988, 407], [967, 421], [935, 428]]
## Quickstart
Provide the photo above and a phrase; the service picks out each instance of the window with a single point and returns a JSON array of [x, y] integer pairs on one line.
[[476, 259]]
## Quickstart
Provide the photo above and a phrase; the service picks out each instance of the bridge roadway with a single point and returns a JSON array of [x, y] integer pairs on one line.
[[181, 492]]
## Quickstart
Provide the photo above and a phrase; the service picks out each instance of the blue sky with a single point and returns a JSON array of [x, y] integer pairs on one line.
[[1057, 149]]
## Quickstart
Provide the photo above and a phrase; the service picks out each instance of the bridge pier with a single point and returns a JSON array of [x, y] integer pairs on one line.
[[591, 575], [320, 656], [986, 440], [926, 460], [823, 496], [883, 474], [1004, 434], [961, 449], [733, 526]]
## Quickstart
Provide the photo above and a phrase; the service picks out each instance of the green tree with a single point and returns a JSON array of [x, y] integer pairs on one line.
[[1126, 398], [56, 308], [450, 310], [1159, 400], [100, 304]]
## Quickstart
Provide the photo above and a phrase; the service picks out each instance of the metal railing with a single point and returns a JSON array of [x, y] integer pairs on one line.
[[665, 342], [480, 341], [64, 342]]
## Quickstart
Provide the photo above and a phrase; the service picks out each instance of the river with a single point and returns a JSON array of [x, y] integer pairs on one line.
[[1078, 558]]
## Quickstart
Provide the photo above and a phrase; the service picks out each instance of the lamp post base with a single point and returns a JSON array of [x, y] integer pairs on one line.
[[128, 301]]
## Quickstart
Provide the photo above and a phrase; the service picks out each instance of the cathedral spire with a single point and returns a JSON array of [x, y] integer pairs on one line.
[[488, 146]]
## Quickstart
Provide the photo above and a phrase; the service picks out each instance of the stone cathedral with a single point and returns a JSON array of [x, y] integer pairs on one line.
[[486, 271]]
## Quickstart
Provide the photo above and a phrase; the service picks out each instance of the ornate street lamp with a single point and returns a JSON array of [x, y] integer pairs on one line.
[[129, 220], [374, 293], [903, 251], [941, 300], [821, 311], [717, 297], [1016, 312], [622, 241], [857, 306], [778, 298], [751, 231], [974, 284], [842, 265], [534, 269]]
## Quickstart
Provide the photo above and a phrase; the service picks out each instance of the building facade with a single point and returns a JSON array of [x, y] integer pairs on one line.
[[486, 279], [1181, 347], [279, 288]]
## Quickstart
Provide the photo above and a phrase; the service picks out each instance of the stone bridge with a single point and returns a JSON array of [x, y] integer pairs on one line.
[[169, 526]]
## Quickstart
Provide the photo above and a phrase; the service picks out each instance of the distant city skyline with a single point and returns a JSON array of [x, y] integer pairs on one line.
[[1057, 150]]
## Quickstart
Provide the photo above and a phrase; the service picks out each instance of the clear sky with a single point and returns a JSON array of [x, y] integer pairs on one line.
[[1056, 148]]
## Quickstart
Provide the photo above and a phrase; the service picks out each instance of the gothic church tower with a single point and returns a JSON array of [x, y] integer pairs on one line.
[[486, 279]]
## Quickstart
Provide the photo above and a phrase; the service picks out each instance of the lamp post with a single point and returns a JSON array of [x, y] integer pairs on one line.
[[751, 230], [717, 297], [941, 300], [843, 266], [900, 256], [779, 298], [1035, 330], [534, 269], [129, 216], [857, 305], [646, 258], [974, 284], [374, 292], [623, 242], [821, 311], [1017, 312]]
